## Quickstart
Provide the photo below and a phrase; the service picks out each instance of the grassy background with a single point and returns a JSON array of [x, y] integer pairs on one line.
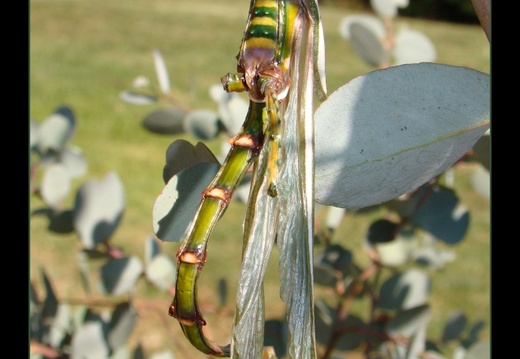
[[83, 53]]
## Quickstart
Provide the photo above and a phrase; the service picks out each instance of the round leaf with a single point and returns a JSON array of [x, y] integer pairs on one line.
[[408, 322], [367, 45], [202, 124], [413, 46], [405, 290], [161, 272], [55, 185], [442, 215], [119, 276], [370, 22], [121, 325], [165, 121], [56, 130], [181, 155], [175, 207], [98, 209], [89, 342], [388, 132], [74, 162]]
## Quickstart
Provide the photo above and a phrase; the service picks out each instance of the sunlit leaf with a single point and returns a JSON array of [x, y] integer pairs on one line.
[[369, 21], [384, 8], [162, 72], [181, 155], [55, 185], [166, 354], [135, 98], [232, 108], [165, 121], [151, 249], [161, 272], [73, 161], [405, 290], [408, 322], [175, 207], [480, 350], [89, 341], [61, 326], [412, 46], [387, 132], [56, 130], [119, 276], [334, 218], [202, 124], [367, 45], [121, 325], [98, 209]]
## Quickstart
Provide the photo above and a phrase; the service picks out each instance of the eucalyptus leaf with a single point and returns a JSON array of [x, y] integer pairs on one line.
[[161, 272], [119, 276], [151, 249], [161, 71], [56, 130], [73, 161], [413, 46], [232, 108], [181, 155], [482, 151], [441, 214], [98, 209], [165, 121], [454, 326], [165, 354], [121, 325], [384, 8], [367, 45], [481, 181], [387, 132], [334, 218], [89, 341], [61, 327], [55, 185], [175, 207], [480, 350], [408, 322], [135, 98], [202, 124], [369, 21], [405, 290]]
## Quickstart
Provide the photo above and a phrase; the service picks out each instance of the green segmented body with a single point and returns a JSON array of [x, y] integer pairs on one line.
[[263, 65]]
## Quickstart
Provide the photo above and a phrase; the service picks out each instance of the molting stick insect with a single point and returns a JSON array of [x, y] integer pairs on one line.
[[276, 63]]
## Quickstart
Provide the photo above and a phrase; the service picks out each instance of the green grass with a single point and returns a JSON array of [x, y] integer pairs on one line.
[[83, 53]]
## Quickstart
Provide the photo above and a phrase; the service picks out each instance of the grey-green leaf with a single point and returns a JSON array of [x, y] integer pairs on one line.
[[89, 341], [405, 290], [369, 21], [135, 98], [56, 130], [55, 185], [161, 272], [119, 276], [98, 209], [387, 132], [454, 327], [412, 46], [175, 207], [408, 322], [367, 45], [165, 121], [202, 124], [161, 71], [121, 325]]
